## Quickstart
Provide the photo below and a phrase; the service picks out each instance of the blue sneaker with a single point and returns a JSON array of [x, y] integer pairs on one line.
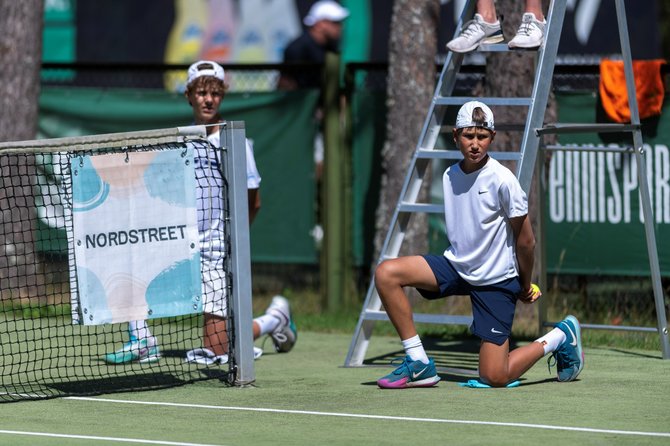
[[410, 374], [142, 351], [569, 357]]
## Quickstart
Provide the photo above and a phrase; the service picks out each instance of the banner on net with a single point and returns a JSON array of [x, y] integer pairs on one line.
[[135, 236]]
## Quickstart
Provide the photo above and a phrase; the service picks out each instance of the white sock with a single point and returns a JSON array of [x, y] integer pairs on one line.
[[414, 349], [267, 323], [138, 330], [552, 340]]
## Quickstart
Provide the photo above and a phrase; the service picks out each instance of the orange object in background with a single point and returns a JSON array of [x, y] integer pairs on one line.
[[648, 85]]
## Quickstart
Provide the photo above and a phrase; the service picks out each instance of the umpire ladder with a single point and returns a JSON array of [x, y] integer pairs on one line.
[[526, 157]]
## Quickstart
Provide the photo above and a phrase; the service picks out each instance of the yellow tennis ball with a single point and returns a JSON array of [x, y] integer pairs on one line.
[[535, 289]]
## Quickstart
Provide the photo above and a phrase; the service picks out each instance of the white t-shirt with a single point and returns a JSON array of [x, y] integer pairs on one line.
[[211, 220], [253, 177], [478, 207]]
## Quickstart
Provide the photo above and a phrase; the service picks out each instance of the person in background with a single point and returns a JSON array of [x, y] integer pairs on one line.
[[324, 29]]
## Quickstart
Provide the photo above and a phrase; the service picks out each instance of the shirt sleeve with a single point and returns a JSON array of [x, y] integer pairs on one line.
[[512, 198], [253, 177]]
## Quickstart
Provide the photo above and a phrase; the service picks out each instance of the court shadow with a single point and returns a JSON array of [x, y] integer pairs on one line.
[[456, 360], [114, 384], [630, 353]]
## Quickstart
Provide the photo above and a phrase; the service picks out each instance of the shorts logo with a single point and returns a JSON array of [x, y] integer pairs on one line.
[[494, 331]]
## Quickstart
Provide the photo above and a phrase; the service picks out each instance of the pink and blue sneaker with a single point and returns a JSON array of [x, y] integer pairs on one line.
[[410, 374]]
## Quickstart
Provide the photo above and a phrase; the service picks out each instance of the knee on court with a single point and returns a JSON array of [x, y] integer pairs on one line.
[[494, 380]]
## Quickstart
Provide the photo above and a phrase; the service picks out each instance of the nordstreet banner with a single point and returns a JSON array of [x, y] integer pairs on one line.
[[135, 236]]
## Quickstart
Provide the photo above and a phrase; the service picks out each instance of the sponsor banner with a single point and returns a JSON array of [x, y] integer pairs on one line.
[[135, 236], [595, 221]]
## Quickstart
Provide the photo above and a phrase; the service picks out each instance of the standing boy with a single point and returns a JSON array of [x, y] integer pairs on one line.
[[205, 90], [490, 258]]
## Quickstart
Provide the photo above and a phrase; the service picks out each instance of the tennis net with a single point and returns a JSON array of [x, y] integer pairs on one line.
[[100, 230]]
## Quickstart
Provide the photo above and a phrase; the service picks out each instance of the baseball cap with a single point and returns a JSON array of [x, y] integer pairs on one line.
[[325, 10], [204, 68], [464, 117]]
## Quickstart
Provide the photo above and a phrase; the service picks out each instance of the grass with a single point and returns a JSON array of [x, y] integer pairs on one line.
[[306, 397]]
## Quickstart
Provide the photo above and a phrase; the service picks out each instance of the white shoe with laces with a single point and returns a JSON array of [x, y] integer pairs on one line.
[[205, 356], [285, 335], [530, 33], [476, 32]]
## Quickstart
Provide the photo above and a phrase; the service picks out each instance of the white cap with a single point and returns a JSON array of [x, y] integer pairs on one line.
[[464, 117], [204, 68], [325, 10]]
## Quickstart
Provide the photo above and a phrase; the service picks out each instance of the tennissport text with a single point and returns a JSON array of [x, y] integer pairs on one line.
[[591, 187]]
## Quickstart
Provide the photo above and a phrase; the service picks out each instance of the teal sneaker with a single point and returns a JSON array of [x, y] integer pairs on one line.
[[286, 334], [569, 357], [410, 374], [135, 351]]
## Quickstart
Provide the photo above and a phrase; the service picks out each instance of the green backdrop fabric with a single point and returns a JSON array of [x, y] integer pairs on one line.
[[280, 124], [368, 115]]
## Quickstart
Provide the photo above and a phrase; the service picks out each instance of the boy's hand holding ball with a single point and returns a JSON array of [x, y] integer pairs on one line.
[[531, 295]]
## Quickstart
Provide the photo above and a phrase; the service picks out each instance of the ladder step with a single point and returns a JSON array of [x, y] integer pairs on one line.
[[425, 318], [438, 154], [500, 48], [555, 129], [460, 100], [456, 154], [493, 48], [421, 207]]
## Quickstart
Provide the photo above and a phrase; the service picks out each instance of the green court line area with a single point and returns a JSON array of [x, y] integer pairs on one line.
[[306, 397]]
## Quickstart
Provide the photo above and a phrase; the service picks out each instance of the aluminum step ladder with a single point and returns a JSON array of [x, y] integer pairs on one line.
[[426, 152]]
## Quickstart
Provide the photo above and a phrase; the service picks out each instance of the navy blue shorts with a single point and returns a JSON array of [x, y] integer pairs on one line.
[[492, 305]]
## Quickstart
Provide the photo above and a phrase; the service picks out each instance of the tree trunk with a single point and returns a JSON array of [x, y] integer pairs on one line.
[[512, 75], [20, 58], [411, 83]]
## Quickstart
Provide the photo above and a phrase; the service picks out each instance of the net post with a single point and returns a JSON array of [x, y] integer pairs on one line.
[[233, 141]]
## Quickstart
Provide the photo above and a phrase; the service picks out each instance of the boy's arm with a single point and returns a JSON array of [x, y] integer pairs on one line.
[[525, 254], [254, 196]]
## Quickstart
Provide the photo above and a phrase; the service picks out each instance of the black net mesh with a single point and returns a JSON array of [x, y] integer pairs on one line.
[[43, 354]]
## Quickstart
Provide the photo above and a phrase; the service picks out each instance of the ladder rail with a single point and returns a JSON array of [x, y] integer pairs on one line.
[[645, 196], [540, 93]]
